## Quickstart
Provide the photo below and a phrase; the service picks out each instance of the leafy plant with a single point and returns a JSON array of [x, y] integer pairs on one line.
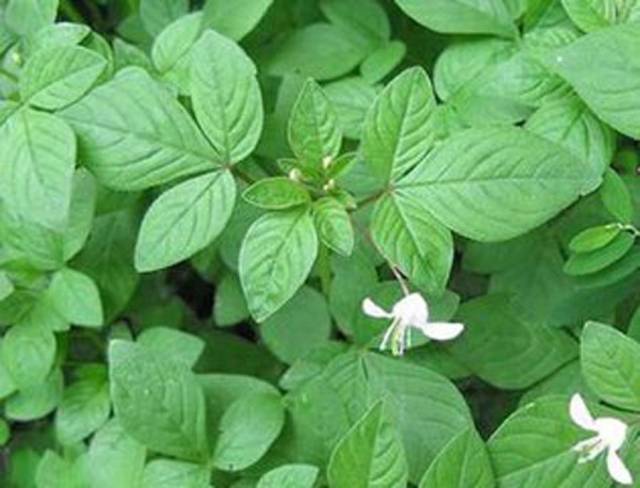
[[307, 243]]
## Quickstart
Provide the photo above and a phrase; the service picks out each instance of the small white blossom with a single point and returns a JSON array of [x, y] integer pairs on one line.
[[327, 161], [330, 185], [295, 175], [610, 436], [410, 311]]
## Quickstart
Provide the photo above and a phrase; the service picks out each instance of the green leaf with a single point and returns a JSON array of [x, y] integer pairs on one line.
[[115, 459], [301, 325], [463, 463], [427, 408], [38, 156], [57, 472], [611, 365], [496, 183], [352, 282], [108, 259], [56, 77], [7, 384], [461, 16], [229, 305], [594, 238], [247, 429], [410, 238], [129, 146], [61, 34], [158, 401], [84, 408], [591, 15], [334, 225], [6, 286], [157, 14], [590, 262], [570, 124], [275, 259], [351, 99], [226, 97], [365, 21], [290, 476], [463, 61], [383, 61], [26, 17], [126, 54], [370, 454], [36, 401], [400, 127], [223, 390], [313, 132], [29, 245], [164, 473], [28, 351], [234, 20], [276, 194], [321, 51], [81, 213], [76, 297], [172, 343], [505, 349], [184, 220], [171, 50], [565, 381], [547, 460], [606, 83], [616, 197], [506, 81]]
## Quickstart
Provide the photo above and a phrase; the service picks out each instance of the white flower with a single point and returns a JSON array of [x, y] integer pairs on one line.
[[410, 311], [610, 435]]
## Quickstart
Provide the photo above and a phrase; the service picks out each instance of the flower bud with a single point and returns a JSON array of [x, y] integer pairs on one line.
[[330, 185], [295, 174]]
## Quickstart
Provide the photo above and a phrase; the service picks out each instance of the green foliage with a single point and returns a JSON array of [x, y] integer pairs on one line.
[[370, 454], [221, 220], [463, 462]]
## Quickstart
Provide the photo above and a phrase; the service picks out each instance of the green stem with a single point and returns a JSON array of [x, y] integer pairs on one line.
[[324, 269], [70, 11], [243, 176], [398, 275], [370, 199]]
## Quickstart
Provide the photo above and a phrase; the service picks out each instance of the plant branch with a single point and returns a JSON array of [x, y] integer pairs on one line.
[[243, 176], [370, 199]]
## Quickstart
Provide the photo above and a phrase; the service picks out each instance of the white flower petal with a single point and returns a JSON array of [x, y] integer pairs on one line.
[[442, 331], [612, 430], [580, 413], [617, 470], [412, 309], [373, 310]]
